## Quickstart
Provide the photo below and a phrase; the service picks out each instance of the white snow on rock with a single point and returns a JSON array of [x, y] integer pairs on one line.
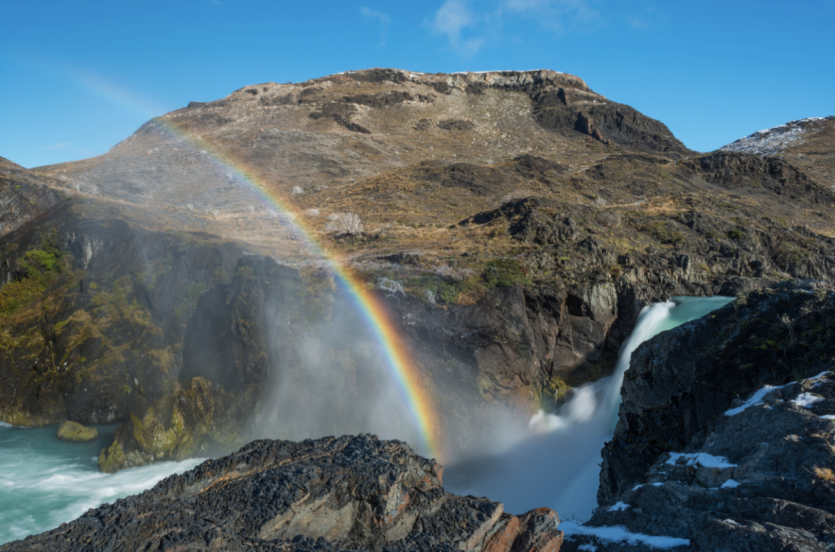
[[619, 507], [817, 380], [618, 533], [730, 484], [772, 141], [806, 400], [700, 458], [755, 399]]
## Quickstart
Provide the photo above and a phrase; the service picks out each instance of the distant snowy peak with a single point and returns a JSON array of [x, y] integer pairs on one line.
[[772, 141]]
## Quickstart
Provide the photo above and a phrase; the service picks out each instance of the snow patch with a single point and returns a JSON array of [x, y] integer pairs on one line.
[[755, 399], [587, 547], [636, 487], [619, 507], [774, 140], [701, 458], [510, 71], [619, 533], [806, 400], [732, 522], [730, 484], [819, 379], [829, 417]]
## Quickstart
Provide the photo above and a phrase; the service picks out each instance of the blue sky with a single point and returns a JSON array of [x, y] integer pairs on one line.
[[78, 77]]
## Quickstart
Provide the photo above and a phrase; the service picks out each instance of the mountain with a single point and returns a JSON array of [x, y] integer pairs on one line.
[[807, 143], [514, 225]]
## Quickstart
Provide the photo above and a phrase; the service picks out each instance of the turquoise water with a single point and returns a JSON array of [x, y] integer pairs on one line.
[[556, 463], [45, 482]]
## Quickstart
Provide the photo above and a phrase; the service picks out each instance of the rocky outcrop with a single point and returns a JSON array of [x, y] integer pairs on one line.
[[727, 421], [201, 419], [347, 493], [94, 310], [23, 196], [733, 171], [72, 431]]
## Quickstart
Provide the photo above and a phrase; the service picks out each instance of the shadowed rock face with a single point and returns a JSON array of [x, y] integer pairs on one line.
[[23, 196], [347, 493], [740, 471]]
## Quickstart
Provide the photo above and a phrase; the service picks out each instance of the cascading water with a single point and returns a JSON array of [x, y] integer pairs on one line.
[[45, 482], [557, 464]]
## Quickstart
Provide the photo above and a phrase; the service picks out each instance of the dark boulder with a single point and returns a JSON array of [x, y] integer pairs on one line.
[[347, 493]]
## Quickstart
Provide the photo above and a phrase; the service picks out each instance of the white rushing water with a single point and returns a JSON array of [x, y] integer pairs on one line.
[[45, 482], [557, 463]]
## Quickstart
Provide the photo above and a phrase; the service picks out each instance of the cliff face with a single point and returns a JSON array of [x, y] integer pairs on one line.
[[94, 311], [347, 493], [727, 421], [23, 196]]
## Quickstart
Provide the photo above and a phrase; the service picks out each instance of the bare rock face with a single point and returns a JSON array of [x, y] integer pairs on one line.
[[728, 422], [23, 196], [347, 493]]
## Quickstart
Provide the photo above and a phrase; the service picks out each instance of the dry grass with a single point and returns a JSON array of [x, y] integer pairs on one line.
[[824, 474]]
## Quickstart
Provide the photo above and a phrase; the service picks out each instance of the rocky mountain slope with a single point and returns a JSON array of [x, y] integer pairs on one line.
[[514, 224], [347, 493], [808, 143]]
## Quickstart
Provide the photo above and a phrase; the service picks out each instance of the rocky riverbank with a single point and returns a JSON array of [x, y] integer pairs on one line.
[[726, 430], [346, 493]]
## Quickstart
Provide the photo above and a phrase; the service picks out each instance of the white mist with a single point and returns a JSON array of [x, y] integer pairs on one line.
[[556, 463]]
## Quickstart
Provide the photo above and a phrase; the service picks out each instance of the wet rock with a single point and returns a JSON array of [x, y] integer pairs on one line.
[[201, 419], [727, 421], [73, 431], [346, 493]]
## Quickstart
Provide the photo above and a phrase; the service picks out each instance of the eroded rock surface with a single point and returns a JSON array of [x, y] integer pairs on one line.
[[726, 429], [347, 493]]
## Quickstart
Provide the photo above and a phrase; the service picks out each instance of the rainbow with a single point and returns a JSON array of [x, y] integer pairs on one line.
[[398, 358], [404, 372]]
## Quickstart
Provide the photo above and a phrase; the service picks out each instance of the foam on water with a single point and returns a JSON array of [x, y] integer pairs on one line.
[[45, 482], [556, 463]]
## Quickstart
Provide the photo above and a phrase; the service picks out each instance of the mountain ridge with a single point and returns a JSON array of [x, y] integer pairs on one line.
[[511, 227]]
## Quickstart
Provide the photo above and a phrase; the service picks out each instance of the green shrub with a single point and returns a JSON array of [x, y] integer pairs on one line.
[[504, 273]]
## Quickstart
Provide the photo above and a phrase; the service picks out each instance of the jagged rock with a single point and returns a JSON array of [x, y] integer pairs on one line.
[[743, 466], [201, 419], [73, 431], [346, 493]]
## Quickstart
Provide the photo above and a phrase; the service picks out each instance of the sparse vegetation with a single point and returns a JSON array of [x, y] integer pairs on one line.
[[344, 223], [824, 474]]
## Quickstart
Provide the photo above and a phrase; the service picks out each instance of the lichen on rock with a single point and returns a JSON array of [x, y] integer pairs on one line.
[[73, 431], [199, 419]]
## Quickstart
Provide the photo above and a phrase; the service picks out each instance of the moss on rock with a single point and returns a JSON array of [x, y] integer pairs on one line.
[[199, 419], [75, 432]]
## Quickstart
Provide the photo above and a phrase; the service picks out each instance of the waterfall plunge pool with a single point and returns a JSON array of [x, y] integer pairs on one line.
[[45, 482], [556, 463]]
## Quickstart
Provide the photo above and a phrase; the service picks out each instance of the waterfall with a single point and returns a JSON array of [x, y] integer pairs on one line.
[[557, 462]]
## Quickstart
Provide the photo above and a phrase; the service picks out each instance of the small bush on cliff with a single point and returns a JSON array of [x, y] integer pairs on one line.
[[504, 273], [40, 265]]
